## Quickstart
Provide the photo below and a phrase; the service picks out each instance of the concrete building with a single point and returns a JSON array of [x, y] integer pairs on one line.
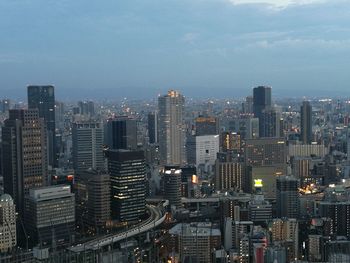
[[259, 210], [43, 99], [287, 196], [8, 238], [50, 216], [87, 137], [246, 126], [171, 128], [229, 175], [202, 150], [24, 155], [195, 242], [172, 185]]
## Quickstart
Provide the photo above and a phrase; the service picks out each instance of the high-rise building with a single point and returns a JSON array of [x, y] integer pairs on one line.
[[121, 133], [207, 126], [86, 108], [230, 141], [202, 150], [8, 239], [229, 175], [287, 196], [5, 105], [172, 185], [24, 155], [247, 127], [87, 137], [247, 106], [43, 99], [127, 170], [261, 102], [153, 127], [269, 123], [259, 210], [171, 128], [306, 122], [50, 216], [93, 189]]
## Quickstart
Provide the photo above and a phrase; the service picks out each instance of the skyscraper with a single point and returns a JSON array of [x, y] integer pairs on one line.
[[287, 196], [153, 127], [24, 156], [43, 99], [270, 123], [127, 171], [8, 238], [172, 185], [306, 122], [261, 102], [171, 128], [121, 133], [87, 140], [207, 126]]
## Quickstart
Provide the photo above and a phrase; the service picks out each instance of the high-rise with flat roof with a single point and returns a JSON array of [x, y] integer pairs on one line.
[[43, 99], [121, 133], [127, 171], [287, 196], [306, 122], [171, 128], [24, 155], [8, 239], [261, 102], [87, 137]]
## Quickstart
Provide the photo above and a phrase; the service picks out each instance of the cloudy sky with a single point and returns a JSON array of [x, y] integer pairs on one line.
[[139, 48]]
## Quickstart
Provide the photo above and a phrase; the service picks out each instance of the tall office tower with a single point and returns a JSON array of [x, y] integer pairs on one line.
[[93, 189], [207, 126], [229, 175], [43, 99], [202, 150], [171, 128], [306, 122], [5, 105], [230, 141], [50, 216], [87, 140], [261, 102], [172, 185], [121, 133], [194, 242], [24, 156], [153, 127], [8, 238], [127, 170], [286, 230], [287, 196], [269, 122], [267, 157], [86, 108]]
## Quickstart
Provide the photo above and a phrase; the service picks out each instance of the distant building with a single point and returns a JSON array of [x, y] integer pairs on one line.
[[230, 141], [261, 102], [246, 126], [152, 121], [86, 108], [171, 128], [87, 137], [229, 175], [43, 99], [207, 126], [24, 156], [8, 238], [306, 122], [50, 216], [127, 171], [269, 123]]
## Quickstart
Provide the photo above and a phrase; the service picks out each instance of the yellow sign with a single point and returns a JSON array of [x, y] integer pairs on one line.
[[258, 183]]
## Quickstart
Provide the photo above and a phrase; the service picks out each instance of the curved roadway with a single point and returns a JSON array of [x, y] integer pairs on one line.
[[155, 219]]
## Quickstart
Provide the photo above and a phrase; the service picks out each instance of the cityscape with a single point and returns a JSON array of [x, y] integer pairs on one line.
[[175, 179], [177, 131]]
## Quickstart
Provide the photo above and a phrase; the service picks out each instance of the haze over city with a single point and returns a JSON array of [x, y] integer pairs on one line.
[[207, 48]]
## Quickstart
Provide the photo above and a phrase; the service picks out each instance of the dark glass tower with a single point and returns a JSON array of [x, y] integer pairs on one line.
[[261, 103], [122, 133], [153, 127], [127, 171], [306, 122], [43, 99]]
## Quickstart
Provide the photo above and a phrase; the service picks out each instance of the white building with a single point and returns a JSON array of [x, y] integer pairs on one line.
[[7, 223], [202, 150]]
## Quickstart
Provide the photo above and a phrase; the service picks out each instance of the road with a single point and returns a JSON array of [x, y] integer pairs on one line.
[[155, 219]]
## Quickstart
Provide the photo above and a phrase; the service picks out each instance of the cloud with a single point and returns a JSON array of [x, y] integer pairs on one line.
[[189, 38], [278, 4]]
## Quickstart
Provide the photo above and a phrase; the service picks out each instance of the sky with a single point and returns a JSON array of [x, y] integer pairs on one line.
[[204, 48]]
